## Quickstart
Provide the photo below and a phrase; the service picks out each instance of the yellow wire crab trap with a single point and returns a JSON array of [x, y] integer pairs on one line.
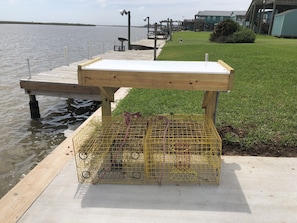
[[167, 149]]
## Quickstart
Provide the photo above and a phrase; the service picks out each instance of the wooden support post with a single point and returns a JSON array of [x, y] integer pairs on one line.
[[210, 102], [155, 42], [34, 108], [253, 17], [107, 97], [106, 106], [272, 18]]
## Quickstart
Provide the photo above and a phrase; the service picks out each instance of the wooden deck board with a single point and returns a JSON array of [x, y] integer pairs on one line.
[[34, 183], [63, 81], [59, 82]]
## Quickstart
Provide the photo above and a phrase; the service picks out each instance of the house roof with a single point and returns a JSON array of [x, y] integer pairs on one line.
[[214, 13], [220, 13], [239, 13]]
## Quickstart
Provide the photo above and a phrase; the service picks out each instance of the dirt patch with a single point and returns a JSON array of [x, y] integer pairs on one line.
[[232, 147]]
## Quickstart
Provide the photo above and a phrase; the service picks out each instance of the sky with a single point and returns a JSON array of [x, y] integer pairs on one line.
[[106, 12]]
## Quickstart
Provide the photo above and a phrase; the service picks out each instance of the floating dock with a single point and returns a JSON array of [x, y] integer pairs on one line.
[[251, 189]]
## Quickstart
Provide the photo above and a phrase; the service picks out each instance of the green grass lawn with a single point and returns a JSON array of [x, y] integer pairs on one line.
[[263, 104]]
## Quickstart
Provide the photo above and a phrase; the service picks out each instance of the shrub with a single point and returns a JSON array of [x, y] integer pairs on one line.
[[244, 36], [224, 29], [229, 31]]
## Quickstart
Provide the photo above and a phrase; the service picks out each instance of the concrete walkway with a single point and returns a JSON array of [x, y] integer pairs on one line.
[[252, 189]]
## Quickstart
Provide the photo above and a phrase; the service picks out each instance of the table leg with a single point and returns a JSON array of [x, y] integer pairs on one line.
[[107, 97], [210, 102]]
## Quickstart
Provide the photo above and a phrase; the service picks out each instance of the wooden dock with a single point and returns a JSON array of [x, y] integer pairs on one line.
[[63, 82], [59, 82]]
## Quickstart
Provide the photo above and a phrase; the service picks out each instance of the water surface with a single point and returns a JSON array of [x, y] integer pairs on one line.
[[25, 142]]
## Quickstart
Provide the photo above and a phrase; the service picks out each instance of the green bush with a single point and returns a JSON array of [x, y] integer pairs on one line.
[[227, 27], [244, 36], [223, 30], [229, 31]]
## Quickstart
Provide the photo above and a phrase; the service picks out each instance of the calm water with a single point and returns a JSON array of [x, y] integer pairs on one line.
[[24, 142]]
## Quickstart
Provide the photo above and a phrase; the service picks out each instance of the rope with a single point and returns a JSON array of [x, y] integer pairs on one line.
[[164, 146], [127, 117]]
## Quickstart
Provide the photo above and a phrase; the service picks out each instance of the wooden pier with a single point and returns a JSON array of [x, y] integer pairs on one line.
[[59, 82], [63, 82]]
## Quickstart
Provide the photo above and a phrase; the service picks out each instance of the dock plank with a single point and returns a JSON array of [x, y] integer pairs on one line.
[[63, 81], [63, 90], [26, 192]]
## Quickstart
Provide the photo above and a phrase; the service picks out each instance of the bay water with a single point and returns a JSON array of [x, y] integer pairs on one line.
[[25, 142]]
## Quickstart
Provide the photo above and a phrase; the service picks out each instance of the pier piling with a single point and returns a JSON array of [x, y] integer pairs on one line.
[[34, 108]]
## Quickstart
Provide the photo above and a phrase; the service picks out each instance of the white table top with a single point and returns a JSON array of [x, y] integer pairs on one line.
[[191, 67]]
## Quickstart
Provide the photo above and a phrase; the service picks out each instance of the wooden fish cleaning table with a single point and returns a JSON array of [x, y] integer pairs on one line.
[[211, 77]]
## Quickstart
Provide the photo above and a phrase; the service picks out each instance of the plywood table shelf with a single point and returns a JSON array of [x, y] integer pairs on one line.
[[211, 77]]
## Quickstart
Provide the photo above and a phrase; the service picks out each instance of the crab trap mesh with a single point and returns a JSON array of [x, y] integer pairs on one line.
[[167, 149]]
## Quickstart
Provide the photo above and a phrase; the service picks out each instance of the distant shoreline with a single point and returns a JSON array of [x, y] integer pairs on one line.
[[60, 24], [46, 23]]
